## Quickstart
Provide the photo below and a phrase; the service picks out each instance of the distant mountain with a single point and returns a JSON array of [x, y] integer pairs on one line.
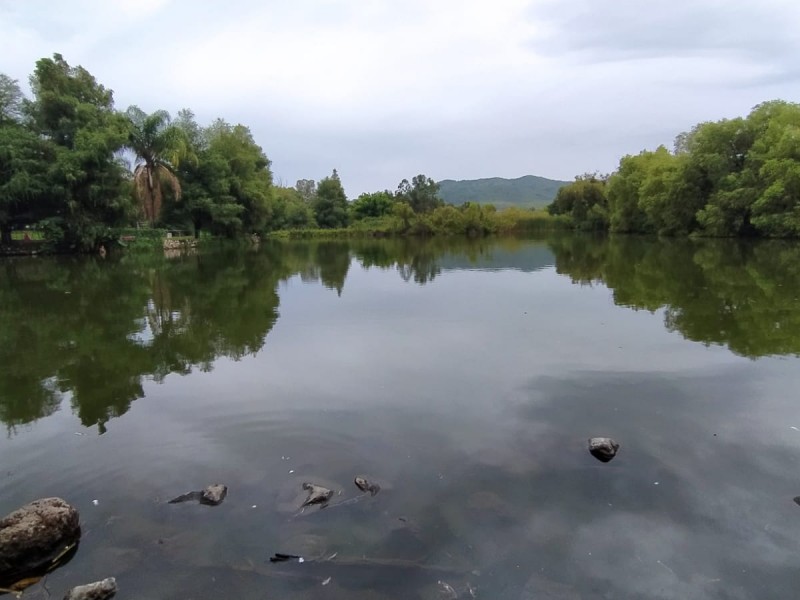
[[528, 191]]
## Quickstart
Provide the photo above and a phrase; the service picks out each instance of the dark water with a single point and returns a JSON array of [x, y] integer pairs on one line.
[[464, 377]]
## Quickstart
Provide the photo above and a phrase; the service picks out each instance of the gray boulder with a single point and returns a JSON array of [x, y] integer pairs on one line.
[[32, 536], [99, 590], [603, 448], [214, 494], [317, 494], [365, 485]]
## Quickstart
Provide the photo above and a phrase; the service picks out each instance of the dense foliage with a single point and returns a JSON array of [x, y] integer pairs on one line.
[[735, 177], [59, 162], [63, 169]]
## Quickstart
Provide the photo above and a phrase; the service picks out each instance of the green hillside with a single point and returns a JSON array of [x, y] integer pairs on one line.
[[528, 191]]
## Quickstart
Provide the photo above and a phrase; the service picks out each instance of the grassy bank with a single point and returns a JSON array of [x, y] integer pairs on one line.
[[471, 221]]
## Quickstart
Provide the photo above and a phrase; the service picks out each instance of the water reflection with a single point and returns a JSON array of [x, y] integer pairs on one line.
[[92, 331], [741, 294]]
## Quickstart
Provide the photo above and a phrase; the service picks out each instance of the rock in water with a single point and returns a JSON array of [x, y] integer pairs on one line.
[[33, 536], [214, 494], [99, 590], [365, 485], [603, 448], [211, 496], [316, 494]]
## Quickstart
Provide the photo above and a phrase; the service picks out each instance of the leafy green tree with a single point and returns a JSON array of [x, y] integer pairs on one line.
[[85, 178], [25, 160], [375, 204], [330, 205], [307, 188], [775, 155], [193, 212], [624, 189], [290, 210], [11, 100], [403, 212], [718, 151], [192, 132], [584, 201], [242, 178], [477, 218], [422, 194], [670, 193], [448, 220], [227, 190]]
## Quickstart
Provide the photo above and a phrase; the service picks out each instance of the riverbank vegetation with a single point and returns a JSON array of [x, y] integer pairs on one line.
[[77, 173], [734, 177]]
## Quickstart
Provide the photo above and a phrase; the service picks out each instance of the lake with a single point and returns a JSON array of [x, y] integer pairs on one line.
[[464, 377]]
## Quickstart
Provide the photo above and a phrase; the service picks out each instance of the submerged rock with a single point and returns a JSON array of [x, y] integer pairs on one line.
[[365, 485], [603, 448], [214, 494], [211, 496], [36, 537], [290, 494], [99, 590], [316, 494]]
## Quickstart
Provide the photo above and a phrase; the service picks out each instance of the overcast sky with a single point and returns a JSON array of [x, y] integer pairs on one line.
[[455, 89]]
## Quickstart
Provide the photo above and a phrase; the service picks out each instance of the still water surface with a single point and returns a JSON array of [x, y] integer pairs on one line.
[[464, 377]]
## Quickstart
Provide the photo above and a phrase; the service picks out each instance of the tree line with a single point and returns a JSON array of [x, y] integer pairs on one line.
[[78, 169], [733, 177]]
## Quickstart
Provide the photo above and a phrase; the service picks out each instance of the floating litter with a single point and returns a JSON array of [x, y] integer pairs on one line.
[[95, 502], [447, 590], [327, 581]]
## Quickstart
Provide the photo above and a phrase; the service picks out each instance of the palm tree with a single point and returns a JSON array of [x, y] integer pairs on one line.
[[159, 146]]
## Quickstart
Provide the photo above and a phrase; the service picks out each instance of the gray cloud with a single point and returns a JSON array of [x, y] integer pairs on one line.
[[626, 29]]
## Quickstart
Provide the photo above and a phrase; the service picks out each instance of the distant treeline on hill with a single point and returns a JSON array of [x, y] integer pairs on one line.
[[529, 191]]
